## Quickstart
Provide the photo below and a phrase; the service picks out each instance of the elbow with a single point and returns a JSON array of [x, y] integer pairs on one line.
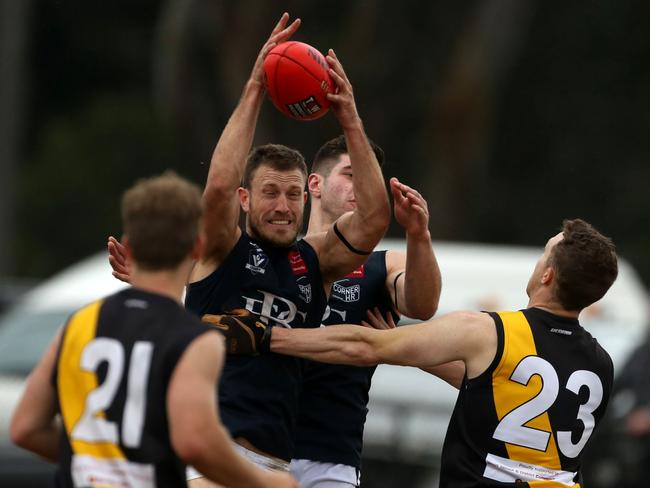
[[190, 448], [21, 432], [423, 311]]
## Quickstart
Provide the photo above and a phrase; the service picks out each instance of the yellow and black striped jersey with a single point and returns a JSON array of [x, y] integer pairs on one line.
[[113, 367], [526, 420]]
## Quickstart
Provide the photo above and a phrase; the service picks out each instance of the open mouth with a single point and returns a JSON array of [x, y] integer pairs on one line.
[[279, 222]]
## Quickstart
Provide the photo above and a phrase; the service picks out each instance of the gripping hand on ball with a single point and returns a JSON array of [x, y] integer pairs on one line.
[[342, 100], [245, 333], [281, 33]]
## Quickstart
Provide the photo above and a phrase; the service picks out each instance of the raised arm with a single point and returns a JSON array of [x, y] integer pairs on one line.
[[34, 426], [197, 434], [413, 281], [366, 225], [221, 204]]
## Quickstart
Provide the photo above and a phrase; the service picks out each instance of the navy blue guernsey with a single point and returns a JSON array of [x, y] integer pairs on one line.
[[334, 398], [258, 396]]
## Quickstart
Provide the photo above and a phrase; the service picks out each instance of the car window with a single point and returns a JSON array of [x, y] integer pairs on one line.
[[24, 336]]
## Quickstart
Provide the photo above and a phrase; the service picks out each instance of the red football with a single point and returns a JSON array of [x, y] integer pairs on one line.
[[297, 80]]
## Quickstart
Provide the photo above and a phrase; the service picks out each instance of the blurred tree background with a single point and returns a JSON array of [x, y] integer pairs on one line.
[[508, 115]]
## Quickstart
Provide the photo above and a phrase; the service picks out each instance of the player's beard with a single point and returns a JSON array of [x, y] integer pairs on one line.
[[258, 233]]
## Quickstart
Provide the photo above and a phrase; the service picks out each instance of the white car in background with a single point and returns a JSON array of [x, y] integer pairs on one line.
[[409, 409]]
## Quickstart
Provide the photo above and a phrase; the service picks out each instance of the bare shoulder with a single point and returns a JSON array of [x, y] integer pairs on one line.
[[395, 261]]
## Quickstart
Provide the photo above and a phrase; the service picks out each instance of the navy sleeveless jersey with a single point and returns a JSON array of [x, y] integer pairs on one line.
[[116, 359], [526, 420], [258, 396], [334, 398]]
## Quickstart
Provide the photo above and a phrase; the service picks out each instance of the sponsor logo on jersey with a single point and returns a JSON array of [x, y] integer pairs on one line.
[[257, 260], [346, 294], [273, 307], [297, 264], [561, 331], [305, 289], [357, 273]]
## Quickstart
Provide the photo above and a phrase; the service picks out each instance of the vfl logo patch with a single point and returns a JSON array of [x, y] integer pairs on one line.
[[346, 294], [304, 108], [257, 260], [297, 264]]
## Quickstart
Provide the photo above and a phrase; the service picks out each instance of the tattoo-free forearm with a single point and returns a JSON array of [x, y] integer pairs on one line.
[[419, 290], [340, 344]]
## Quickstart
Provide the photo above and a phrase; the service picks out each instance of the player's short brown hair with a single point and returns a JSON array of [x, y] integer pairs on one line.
[[161, 218], [328, 155], [585, 265], [277, 156]]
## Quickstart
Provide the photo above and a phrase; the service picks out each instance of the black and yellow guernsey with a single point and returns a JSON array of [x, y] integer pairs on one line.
[[113, 367], [525, 421], [258, 395]]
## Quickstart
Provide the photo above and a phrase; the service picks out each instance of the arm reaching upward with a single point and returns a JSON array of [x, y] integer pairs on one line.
[[359, 231], [221, 203], [413, 281]]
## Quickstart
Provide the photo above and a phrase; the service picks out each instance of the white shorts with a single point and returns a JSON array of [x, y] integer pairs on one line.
[[265, 462], [314, 474]]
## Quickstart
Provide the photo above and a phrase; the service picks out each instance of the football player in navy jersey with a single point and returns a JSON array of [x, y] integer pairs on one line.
[[328, 450], [263, 269], [130, 375], [536, 383]]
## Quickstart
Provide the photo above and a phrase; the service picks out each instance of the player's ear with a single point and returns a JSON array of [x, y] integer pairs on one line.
[[548, 276], [244, 198], [314, 183]]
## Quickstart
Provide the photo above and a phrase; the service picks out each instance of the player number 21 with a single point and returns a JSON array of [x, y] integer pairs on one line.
[[512, 428], [93, 428]]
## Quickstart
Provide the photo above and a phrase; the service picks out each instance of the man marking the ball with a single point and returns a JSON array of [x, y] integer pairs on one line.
[[264, 270], [328, 450]]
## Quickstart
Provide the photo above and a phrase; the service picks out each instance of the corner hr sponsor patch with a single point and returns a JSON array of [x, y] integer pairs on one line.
[[346, 294], [305, 289]]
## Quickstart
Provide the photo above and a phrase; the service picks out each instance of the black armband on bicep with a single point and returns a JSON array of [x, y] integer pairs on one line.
[[347, 244]]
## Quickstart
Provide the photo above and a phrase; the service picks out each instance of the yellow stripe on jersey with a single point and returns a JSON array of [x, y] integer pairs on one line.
[[74, 384], [518, 343]]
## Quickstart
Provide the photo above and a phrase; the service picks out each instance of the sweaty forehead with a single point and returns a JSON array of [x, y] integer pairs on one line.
[[266, 175]]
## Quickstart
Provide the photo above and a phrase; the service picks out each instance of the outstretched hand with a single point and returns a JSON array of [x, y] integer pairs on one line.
[[281, 33], [118, 260], [411, 210]]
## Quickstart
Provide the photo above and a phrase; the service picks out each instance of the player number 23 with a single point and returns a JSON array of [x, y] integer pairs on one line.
[[512, 428], [93, 428]]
